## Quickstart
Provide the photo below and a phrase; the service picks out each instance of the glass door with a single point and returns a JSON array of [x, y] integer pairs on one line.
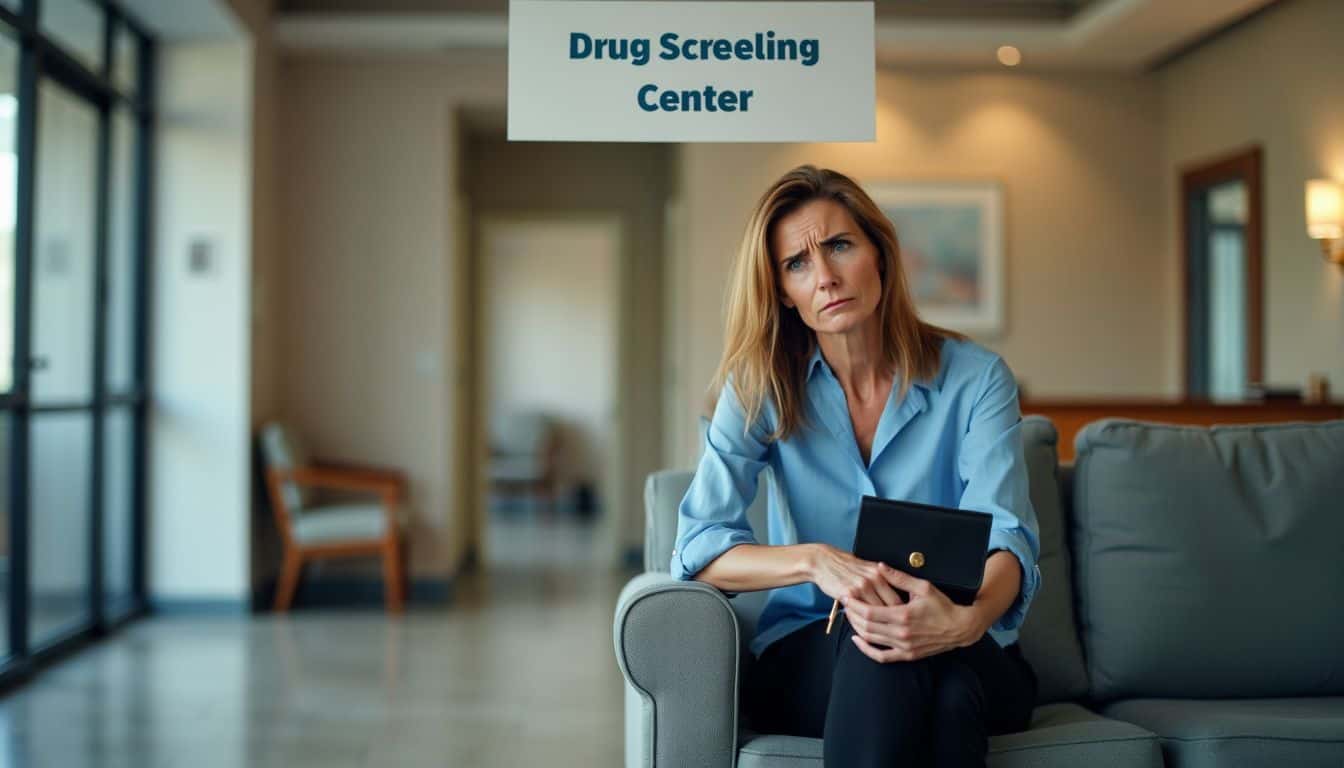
[[61, 364], [9, 163], [76, 127]]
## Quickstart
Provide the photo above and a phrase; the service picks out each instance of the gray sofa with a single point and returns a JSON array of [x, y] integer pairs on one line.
[[1189, 614]]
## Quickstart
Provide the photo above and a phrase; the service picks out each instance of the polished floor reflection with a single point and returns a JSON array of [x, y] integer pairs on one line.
[[519, 671]]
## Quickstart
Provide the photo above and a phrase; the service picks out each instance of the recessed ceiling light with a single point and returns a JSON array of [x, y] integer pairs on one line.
[[1009, 56]]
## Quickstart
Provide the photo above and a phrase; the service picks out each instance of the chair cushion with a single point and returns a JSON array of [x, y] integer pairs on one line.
[[340, 522], [1064, 735], [1204, 557], [1049, 636], [1284, 733], [282, 448]]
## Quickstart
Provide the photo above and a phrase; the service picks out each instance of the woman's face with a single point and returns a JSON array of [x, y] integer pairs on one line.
[[827, 267]]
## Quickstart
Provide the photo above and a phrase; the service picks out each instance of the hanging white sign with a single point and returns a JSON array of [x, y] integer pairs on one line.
[[609, 70]]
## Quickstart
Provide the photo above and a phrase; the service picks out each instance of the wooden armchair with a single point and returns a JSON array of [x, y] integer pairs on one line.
[[312, 531]]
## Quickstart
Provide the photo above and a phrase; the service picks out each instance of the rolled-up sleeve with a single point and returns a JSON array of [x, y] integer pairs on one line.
[[993, 467], [712, 517]]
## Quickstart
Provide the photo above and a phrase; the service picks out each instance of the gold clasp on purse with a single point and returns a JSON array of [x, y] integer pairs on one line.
[[917, 559]]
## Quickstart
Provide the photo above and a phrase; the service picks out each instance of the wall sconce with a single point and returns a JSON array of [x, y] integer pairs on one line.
[[1325, 217]]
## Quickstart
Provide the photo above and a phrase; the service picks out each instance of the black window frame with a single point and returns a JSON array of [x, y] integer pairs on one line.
[[42, 58]]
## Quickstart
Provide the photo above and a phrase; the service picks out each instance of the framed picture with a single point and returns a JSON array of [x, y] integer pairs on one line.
[[951, 236]]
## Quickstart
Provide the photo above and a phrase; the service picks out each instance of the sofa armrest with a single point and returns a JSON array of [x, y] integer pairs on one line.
[[677, 644]]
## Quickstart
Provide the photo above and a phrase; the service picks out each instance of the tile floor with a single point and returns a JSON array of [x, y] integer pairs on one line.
[[518, 671]]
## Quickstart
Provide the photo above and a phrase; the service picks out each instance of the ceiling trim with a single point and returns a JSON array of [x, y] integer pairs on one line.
[[410, 33], [1110, 35]]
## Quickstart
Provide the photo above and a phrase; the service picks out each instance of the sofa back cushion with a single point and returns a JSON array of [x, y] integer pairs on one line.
[[1049, 636], [1207, 559], [663, 492]]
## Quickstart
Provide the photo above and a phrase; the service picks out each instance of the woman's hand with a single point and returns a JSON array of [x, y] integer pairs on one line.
[[843, 576], [930, 623]]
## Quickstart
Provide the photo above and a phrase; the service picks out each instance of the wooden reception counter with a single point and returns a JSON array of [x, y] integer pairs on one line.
[[1070, 416]]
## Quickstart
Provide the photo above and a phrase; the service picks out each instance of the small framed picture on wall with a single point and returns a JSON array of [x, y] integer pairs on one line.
[[951, 236]]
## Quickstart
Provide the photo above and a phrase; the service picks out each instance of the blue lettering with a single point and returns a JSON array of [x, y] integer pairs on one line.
[[580, 45], [644, 104], [810, 50], [640, 49], [669, 45]]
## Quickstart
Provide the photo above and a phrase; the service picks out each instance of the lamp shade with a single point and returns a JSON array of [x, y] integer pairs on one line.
[[1325, 209]]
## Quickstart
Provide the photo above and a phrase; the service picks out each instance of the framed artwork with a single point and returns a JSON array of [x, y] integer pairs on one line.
[[951, 236]]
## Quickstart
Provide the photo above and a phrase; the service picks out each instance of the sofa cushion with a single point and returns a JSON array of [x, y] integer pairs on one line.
[[1064, 735], [1049, 636], [1284, 733], [663, 492], [1202, 558]]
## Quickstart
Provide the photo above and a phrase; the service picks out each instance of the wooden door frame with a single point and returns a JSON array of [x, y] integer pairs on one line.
[[1246, 165]]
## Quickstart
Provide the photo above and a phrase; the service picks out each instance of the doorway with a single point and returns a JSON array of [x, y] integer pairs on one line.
[[572, 191], [548, 293], [1222, 246]]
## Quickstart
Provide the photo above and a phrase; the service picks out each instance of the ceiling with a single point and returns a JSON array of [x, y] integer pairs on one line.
[[1113, 35], [961, 9], [185, 20]]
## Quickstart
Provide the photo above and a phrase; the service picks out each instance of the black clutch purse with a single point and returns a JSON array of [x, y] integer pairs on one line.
[[941, 545]]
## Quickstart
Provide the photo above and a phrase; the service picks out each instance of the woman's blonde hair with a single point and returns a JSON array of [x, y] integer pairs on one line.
[[766, 346]]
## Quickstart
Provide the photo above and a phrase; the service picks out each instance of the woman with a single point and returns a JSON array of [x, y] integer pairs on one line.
[[830, 378]]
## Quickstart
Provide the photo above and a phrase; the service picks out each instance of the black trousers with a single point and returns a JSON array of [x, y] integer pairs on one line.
[[937, 711]]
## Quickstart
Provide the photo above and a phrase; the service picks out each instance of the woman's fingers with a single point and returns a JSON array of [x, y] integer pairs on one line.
[[871, 596], [902, 580], [895, 651], [884, 591], [881, 656], [883, 625], [873, 587], [864, 586], [901, 629]]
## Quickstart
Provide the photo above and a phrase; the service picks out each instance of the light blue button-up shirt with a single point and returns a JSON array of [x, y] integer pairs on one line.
[[955, 440]]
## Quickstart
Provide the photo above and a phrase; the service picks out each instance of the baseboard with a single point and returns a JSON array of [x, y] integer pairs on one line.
[[198, 606], [353, 592]]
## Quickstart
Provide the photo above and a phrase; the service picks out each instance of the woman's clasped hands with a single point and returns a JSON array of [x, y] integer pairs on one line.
[[887, 628]]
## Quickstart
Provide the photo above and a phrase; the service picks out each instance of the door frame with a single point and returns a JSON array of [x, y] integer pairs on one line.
[[615, 466], [1245, 165]]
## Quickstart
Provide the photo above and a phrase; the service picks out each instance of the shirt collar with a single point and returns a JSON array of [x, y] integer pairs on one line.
[[933, 383]]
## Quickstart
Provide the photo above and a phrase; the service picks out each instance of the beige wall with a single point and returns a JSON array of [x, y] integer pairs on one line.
[[367, 227], [199, 488], [1084, 263], [370, 226], [367, 144], [1275, 82]]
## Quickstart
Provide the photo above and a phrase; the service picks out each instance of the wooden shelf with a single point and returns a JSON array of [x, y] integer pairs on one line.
[[1071, 415]]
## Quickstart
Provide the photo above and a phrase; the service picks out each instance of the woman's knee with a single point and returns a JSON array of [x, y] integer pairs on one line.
[[898, 679], [959, 695]]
